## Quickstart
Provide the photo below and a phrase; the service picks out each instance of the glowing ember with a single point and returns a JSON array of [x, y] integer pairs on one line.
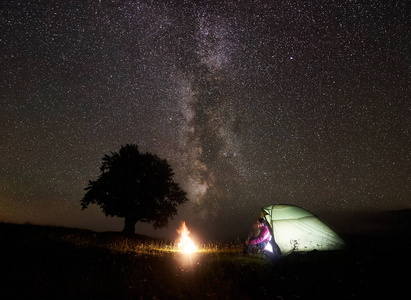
[[185, 244]]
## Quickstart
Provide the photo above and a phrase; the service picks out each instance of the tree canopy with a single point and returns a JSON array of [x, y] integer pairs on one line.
[[138, 187]]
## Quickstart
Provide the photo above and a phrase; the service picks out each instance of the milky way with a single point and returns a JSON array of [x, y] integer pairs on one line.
[[251, 102]]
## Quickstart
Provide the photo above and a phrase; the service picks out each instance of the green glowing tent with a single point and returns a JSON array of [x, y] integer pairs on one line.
[[296, 229]]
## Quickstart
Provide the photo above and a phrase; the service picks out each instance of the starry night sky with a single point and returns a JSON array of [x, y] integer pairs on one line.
[[251, 102]]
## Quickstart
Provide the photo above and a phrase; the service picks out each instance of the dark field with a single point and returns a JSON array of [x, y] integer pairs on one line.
[[40, 262]]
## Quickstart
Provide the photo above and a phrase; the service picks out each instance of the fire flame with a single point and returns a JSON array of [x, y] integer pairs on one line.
[[185, 244]]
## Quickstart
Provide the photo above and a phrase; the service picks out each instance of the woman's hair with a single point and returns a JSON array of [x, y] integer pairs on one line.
[[261, 221]]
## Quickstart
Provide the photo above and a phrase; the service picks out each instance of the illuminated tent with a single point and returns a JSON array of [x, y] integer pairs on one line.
[[295, 229]]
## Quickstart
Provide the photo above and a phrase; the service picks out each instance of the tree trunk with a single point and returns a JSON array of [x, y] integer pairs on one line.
[[129, 225]]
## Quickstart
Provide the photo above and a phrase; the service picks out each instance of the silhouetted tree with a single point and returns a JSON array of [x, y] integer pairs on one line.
[[137, 187]]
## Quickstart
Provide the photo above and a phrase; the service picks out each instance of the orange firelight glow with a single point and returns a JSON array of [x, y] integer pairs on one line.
[[185, 244]]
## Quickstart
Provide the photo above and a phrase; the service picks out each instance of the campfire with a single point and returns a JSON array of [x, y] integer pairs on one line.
[[185, 244]]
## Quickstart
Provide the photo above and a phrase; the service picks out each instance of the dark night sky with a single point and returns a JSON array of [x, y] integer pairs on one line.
[[251, 102]]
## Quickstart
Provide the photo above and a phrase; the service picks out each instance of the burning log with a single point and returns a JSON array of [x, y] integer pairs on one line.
[[185, 244]]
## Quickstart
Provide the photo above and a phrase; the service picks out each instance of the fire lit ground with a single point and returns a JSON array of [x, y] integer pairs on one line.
[[61, 263]]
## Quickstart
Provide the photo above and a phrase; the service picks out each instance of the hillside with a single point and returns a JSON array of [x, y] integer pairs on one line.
[[61, 263]]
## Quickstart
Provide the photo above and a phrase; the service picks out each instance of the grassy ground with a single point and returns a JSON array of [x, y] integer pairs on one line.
[[59, 263]]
